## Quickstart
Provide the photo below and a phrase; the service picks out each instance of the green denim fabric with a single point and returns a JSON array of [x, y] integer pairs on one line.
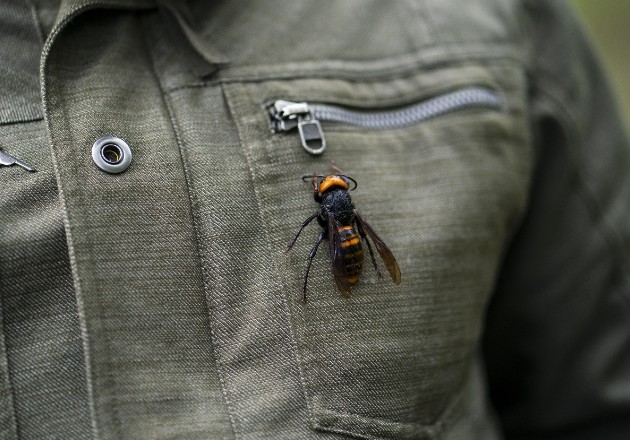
[[158, 303]]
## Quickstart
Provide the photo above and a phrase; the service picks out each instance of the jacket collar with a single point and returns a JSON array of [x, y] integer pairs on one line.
[[204, 58]]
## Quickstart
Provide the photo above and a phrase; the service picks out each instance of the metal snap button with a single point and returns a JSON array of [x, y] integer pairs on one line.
[[111, 154]]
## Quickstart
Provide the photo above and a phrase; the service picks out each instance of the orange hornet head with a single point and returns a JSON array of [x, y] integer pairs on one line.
[[331, 182], [322, 183]]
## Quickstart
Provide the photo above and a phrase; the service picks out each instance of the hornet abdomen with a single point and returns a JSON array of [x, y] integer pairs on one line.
[[352, 251]]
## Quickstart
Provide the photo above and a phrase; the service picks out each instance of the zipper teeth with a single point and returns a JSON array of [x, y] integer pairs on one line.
[[459, 99]]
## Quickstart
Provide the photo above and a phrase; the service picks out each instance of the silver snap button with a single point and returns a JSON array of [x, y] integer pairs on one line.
[[111, 154]]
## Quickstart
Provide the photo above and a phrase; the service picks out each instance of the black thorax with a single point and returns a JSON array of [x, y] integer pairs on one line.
[[336, 201]]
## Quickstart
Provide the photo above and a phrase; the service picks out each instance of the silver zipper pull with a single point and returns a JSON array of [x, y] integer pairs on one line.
[[8, 160], [287, 115]]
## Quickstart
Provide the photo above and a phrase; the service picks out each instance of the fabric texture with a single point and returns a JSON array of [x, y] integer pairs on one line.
[[20, 49], [159, 302]]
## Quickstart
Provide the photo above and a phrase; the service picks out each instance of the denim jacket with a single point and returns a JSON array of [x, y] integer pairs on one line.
[[158, 302]]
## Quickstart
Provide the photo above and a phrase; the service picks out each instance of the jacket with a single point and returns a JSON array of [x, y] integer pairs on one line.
[[158, 302]]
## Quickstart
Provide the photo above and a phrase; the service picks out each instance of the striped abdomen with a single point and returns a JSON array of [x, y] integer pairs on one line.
[[352, 252]]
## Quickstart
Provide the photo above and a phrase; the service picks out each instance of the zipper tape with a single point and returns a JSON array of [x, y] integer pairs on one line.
[[306, 117]]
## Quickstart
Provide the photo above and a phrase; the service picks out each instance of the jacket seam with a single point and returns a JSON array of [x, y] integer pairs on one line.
[[4, 364], [301, 365], [197, 231], [367, 71], [85, 336], [37, 21], [449, 415]]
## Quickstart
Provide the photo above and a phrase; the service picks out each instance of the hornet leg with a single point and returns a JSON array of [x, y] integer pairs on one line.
[[306, 222], [311, 256]]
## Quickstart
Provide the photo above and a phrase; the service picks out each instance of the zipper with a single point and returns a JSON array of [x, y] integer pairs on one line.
[[286, 116]]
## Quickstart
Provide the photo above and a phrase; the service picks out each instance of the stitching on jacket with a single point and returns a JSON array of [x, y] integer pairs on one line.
[[89, 363], [89, 366], [294, 345], [197, 231], [453, 412], [381, 70], [4, 364]]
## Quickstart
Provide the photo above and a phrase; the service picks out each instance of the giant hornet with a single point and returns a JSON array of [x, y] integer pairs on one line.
[[344, 228]]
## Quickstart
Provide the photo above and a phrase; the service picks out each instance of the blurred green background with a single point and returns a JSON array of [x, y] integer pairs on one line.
[[608, 22]]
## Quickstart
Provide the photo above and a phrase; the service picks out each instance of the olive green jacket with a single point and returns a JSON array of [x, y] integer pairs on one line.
[[159, 302]]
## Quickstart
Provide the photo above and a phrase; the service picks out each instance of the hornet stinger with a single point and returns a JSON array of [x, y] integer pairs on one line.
[[344, 229]]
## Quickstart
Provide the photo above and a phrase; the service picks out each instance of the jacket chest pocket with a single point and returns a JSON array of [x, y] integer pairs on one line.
[[442, 162]]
